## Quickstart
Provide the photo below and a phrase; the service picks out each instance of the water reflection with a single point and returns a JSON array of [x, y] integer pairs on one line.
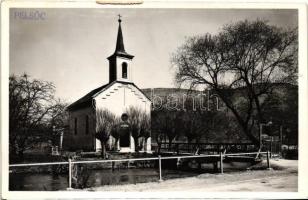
[[52, 182], [39, 182]]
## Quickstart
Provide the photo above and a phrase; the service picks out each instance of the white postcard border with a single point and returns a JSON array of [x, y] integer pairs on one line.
[[303, 98]]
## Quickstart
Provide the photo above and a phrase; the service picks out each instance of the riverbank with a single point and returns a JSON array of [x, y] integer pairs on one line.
[[281, 178]]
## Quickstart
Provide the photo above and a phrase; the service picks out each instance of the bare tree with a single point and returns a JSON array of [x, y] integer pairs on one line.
[[145, 128], [196, 124], [58, 116], [246, 56], [156, 128], [139, 124], [167, 123], [116, 130], [31, 102], [105, 121]]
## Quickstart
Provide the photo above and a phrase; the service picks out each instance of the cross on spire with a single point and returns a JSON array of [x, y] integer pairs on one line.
[[120, 50]]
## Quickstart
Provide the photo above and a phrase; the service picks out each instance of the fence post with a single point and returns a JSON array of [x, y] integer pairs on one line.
[[271, 147], [268, 160], [280, 136], [221, 163], [69, 174], [178, 163], [159, 165]]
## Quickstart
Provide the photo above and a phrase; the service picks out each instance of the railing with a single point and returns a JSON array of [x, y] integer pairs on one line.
[[70, 163], [207, 147]]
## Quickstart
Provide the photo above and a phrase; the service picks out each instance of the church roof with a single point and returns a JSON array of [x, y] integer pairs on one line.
[[86, 100], [120, 50]]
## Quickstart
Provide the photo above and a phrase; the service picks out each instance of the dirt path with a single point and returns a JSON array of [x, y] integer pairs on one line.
[[282, 180], [287, 183], [265, 181]]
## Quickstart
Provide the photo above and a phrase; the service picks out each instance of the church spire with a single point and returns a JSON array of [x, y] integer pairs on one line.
[[120, 50], [120, 43]]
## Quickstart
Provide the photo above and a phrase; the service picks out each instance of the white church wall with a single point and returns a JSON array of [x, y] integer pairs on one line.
[[118, 98], [148, 145]]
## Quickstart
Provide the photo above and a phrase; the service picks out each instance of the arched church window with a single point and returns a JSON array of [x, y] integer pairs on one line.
[[87, 124], [124, 70], [75, 126]]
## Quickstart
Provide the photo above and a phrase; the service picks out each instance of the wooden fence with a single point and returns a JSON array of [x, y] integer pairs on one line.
[[208, 148], [220, 157]]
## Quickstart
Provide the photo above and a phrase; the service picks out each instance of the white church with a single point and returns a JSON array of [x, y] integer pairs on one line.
[[116, 96]]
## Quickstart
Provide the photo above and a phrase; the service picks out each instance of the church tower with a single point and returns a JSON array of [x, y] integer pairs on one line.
[[119, 62]]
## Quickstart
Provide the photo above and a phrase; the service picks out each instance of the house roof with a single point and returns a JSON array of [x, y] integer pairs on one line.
[[87, 99]]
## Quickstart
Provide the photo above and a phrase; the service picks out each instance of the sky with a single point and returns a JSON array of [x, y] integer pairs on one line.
[[69, 46]]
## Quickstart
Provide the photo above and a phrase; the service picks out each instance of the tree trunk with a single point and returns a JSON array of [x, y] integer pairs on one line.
[[136, 144], [21, 154], [169, 143], [158, 147], [244, 127], [259, 110], [241, 122], [13, 150], [158, 141], [145, 144], [116, 144], [247, 132], [103, 152]]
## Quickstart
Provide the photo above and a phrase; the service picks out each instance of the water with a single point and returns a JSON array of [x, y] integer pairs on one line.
[[49, 182], [37, 182]]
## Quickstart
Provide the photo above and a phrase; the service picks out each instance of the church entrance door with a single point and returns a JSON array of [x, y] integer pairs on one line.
[[124, 136]]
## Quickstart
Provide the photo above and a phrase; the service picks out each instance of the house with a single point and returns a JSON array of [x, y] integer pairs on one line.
[[116, 96]]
